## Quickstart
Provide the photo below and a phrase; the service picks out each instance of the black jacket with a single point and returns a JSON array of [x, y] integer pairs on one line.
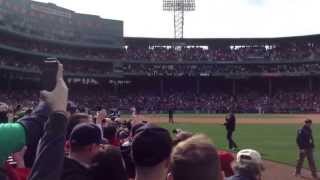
[[170, 113], [305, 138], [73, 170], [50, 154], [230, 123], [34, 126]]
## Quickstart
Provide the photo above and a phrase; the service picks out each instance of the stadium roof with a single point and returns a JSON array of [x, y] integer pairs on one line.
[[221, 41]]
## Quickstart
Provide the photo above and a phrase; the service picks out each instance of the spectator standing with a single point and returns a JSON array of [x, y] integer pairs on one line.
[[85, 143], [248, 166], [50, 146], [226, 158], [151, 148], [194, 159], [108, 164], [49, 159]]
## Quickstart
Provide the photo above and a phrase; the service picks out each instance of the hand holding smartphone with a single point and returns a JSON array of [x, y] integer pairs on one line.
[[54, 89], [49, 74]]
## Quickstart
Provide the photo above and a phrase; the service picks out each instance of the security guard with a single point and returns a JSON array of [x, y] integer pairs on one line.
[[305, 143]]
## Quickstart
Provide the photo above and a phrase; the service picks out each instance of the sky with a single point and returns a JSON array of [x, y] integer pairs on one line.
[[212, 18]]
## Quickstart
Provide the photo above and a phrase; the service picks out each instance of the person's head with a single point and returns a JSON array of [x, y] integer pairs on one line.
[[85, 141], [251, 170], [249, 163], [181, 136], [109, 132], [193, 159], [308, 122], [4, 108], [108, 164], [71, 108], [151, 148], [76, 119]]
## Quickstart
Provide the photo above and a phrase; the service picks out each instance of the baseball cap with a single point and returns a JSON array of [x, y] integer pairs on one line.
[[151, 145], [85, 134], [249, 155]]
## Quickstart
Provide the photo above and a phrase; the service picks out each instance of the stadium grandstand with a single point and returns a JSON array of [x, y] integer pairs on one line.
[[155, 71]]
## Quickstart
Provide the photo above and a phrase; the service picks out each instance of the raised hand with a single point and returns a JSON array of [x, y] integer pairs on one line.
[[57, 99]]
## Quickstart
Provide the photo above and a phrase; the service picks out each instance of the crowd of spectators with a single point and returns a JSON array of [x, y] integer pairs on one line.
[[34, 65], [290, 51], [55, 141], [99, 68], [249, 102], [218, 69], [90, 99], [37, 46]]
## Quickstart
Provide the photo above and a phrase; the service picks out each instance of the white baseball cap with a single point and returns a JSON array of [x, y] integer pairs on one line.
[[249, 155]]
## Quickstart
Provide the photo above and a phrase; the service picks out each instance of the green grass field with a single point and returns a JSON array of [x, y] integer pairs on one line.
[[275, 142]]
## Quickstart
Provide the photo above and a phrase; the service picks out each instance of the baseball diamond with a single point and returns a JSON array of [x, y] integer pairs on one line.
[[272, 134]]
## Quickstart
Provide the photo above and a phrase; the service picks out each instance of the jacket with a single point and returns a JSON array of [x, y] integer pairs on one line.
[[33, 125], [49, 160], [305, 138], [28, 131], [226, 159], [230, 123], [14, 173], [73, 170]]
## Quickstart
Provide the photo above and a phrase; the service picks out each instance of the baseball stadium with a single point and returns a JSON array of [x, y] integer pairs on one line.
[[269, 86]]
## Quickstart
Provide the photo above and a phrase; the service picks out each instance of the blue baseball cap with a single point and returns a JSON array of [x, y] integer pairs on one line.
[[151, 145], [85, 134]]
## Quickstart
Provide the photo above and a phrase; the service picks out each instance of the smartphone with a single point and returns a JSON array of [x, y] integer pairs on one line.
[[49, 74]]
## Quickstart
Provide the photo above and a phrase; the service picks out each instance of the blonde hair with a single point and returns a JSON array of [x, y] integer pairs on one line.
[[195, 159]]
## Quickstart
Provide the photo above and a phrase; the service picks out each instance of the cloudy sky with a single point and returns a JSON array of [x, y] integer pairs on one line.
[[212, 18]]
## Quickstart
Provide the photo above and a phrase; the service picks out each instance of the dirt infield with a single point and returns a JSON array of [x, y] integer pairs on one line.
[[241, 119], [277, 171]]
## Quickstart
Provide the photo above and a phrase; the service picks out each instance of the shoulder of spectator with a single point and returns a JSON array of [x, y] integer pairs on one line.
[[42, 109]]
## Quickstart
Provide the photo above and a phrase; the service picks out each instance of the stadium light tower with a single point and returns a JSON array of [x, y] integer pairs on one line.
[[179, 7]]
